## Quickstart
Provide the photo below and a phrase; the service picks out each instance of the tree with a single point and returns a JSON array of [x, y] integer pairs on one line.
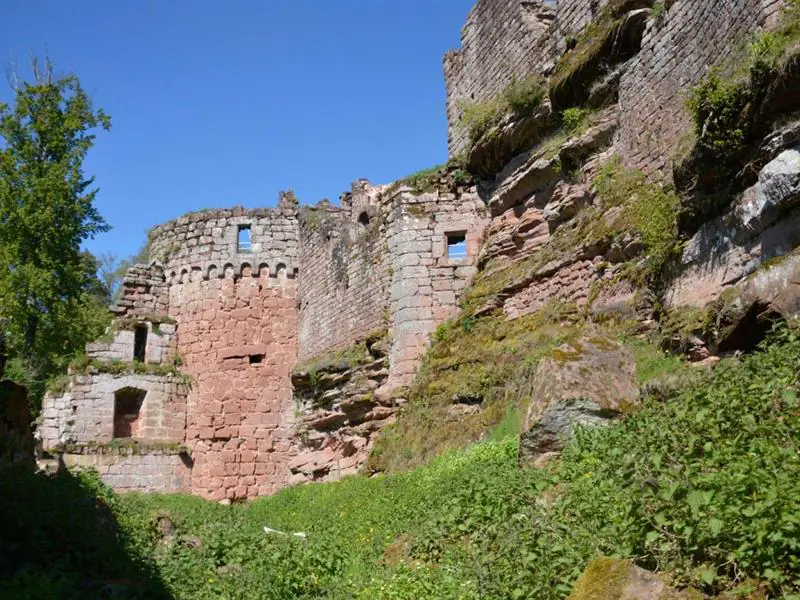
[[46, 212]]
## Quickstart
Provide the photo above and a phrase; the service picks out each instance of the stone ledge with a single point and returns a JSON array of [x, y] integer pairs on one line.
[[123, 448]]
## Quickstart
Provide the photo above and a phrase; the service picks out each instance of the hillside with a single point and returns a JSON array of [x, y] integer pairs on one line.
[[700, 484]]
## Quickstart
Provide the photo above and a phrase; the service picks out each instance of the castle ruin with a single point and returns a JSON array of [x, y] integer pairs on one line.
[[228, 369]]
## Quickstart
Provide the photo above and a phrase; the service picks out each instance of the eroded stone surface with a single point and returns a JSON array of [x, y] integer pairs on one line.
[[588, 382], [760, 225], [618, 579]]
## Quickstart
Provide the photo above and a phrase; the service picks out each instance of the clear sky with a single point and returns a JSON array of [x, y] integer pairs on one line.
[[224, 102]]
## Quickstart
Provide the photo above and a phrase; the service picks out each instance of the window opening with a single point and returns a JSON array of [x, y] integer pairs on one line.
[[127, 406], [363, 218], [457, 245], [139, 342], [244, 239], [256, 359]]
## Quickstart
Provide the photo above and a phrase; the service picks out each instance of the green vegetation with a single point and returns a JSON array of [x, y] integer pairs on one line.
[[586, 54], [647, 210], [453, 173], [84, 365], [573, 118], [725, 105], [520, 98], [70, 537], [482, 364], [51, 301], [345, 358], [703, 485]]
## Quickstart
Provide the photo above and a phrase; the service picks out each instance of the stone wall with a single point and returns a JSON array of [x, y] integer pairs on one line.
[[144, 292], [502, 40], [677, 51], [238, 337], [205, 244], [236, 315], [342, 293], [159, 346], [162, 471], [426, 284], [86, 411]]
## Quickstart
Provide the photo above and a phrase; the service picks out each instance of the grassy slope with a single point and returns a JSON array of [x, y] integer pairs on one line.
[[704, 485]]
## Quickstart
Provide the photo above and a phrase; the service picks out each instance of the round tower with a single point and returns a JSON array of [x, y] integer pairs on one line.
[[231, 277]]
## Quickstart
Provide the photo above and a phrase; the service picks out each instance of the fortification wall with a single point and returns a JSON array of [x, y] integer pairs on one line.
[[502, 40], [238, 338], [426, 283], [677, 51], [343, 288], [205, 245]]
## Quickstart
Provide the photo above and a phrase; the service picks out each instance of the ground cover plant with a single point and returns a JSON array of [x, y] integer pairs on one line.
[[703, 485]]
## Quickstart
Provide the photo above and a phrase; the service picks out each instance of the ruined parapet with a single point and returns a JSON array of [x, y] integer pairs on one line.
[[397, 257], [224, 243]]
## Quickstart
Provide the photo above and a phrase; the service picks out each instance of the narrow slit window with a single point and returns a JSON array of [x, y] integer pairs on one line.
[[457, 245], [139, 343], [244, 239], [256, 359]]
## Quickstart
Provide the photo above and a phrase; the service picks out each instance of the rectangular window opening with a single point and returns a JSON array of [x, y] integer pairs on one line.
[[244, 239], [256, 359], [139, 343], [457, 245]]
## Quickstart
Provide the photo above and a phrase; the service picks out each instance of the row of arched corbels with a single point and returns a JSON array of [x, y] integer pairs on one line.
[[277, 270]]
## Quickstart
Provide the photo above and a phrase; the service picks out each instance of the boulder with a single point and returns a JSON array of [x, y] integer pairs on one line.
[[590, 382], [536, 174], [617, 579], [599, 136]]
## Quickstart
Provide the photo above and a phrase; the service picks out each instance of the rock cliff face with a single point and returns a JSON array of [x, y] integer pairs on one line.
[[640, 169]]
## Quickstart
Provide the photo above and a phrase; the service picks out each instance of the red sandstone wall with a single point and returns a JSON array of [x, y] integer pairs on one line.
[[238, 414]]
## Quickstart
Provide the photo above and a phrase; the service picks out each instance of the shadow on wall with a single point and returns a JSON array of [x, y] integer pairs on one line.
[[60, 539]]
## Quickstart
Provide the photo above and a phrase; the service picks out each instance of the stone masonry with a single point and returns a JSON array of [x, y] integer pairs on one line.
[[205, 337], [191, 389]]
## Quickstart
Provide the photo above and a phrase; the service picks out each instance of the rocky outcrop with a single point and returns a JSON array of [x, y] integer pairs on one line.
[[340, 408], [618, 579], [763, 223], [513, 135], [589, 382]]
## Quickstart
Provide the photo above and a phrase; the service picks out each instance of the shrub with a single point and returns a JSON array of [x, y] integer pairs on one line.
[[573, 118]]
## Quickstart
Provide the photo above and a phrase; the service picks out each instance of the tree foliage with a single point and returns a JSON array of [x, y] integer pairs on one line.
[[48, 294]]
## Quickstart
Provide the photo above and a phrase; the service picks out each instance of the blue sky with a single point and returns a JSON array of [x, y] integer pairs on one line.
[[224, 102]]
